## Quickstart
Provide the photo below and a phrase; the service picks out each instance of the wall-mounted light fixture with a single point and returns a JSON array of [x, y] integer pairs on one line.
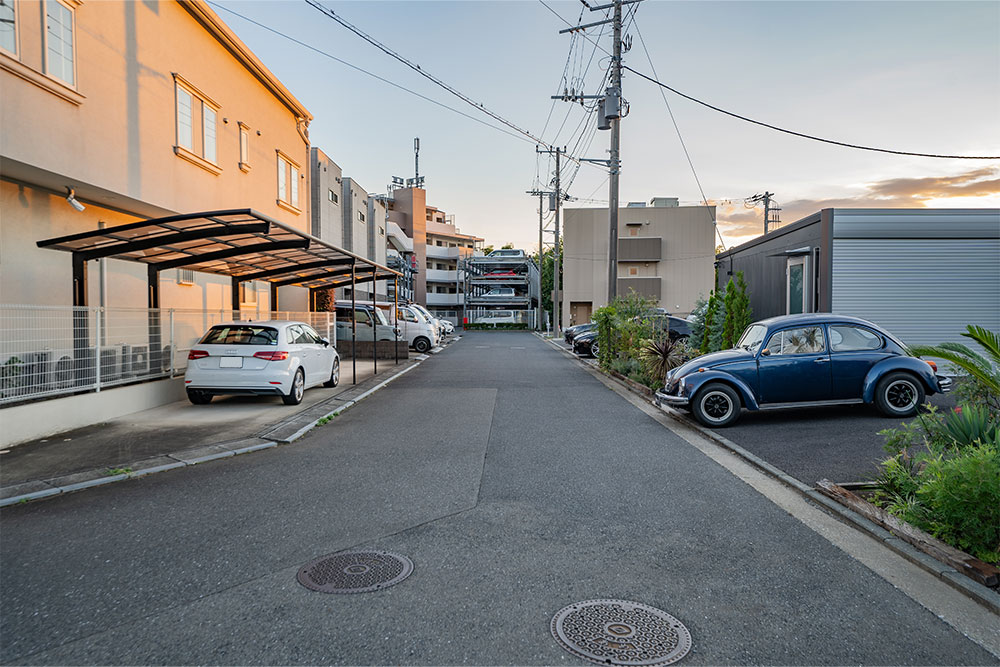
[[71, 198]]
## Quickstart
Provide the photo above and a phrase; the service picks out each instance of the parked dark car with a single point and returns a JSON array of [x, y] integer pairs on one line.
[[585, 344], [571, 332], [803, 360], [677, 328]]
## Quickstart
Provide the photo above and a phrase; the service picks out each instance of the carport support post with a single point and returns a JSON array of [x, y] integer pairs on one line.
[[81, 324], [395, 314], [153, 278], [354, 331], [274, 299], [234, 290], [374, 328]]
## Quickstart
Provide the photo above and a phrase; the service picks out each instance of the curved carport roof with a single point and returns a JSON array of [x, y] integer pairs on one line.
[[240, 243]]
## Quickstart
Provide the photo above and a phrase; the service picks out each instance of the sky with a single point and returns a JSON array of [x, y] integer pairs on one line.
[[909, 76]]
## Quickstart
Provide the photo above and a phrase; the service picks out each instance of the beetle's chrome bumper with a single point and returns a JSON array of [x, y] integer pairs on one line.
[[944, 383], [670, 399]]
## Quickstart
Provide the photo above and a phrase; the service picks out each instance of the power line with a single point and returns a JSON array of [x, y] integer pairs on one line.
[[803, 135], [371, 74], [416, 68], [677, 128]]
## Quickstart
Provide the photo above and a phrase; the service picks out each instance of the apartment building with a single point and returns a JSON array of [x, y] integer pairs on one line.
[[438, 251], [665, 252], [344, 214], [106, 121]]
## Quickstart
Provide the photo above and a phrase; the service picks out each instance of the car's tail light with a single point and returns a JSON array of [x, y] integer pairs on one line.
[[271, 356], [197, 354], [931, 364]]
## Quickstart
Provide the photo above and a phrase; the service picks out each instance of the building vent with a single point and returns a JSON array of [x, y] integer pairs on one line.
[[636, 204], [664, 202]]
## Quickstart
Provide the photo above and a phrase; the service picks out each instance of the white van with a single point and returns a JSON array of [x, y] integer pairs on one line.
[[499, 293], [415, 329], [434, 322]]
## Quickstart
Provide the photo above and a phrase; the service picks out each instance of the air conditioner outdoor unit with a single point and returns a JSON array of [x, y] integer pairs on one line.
[[110, 367], [37, 372]]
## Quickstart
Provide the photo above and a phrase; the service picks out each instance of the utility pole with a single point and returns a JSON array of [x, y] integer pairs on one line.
[[615, 163], [609, 117], [541, 245], [557, 197], [768, 209]]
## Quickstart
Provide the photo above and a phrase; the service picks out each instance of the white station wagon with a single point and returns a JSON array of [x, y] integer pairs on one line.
[[275, 358]]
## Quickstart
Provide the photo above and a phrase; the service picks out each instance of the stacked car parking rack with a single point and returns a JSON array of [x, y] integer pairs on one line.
[[484, 276]]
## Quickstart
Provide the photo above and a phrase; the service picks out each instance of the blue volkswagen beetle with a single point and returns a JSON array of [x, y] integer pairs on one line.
[[803, 360]]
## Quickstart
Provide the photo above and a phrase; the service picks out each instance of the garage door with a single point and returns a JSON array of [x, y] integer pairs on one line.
[[923, 290]]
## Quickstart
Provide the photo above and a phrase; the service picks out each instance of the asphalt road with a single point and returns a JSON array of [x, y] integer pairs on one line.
[[517, 484], [839, 443]]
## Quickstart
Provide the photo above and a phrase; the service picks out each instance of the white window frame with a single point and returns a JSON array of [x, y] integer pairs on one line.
[[287, 172], [196, 153], [806, 264], [70, 7], [244, 146], [16, 53]]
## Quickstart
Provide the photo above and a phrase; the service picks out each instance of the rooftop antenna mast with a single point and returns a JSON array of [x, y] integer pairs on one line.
[[416, 181]]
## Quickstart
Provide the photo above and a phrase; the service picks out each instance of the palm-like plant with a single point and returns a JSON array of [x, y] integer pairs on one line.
[[984, 369], [662, 355]]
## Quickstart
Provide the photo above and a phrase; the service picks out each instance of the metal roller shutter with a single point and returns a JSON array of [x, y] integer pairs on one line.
[[925, 291]]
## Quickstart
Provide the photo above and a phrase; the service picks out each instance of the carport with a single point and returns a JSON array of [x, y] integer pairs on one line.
[[243, 244]]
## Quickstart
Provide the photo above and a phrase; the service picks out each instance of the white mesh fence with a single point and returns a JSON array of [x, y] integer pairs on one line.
[[48, 351]]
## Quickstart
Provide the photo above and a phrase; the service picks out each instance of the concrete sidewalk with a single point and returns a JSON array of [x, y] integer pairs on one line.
[[178, 435]]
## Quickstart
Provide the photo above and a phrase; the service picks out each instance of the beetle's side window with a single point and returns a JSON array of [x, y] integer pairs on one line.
[[804, 340], [847, 339]]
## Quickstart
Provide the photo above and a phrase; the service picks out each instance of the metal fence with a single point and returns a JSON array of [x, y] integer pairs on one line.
[[487, 317], [48, 351]]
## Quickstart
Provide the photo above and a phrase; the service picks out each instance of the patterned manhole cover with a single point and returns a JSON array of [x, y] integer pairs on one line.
[[617, 632], [355, 572]]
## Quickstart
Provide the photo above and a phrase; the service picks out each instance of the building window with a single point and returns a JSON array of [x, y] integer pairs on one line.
[[248, 293], [184, 132], [197, 126], [244, 147], [8, 26], [59, 47], [288, 183], [208, 133], [332, 196], [381, 231], [361, 216], [439, 243]]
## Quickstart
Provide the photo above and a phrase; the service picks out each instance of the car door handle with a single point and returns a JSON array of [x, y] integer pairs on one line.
[[821, 360]]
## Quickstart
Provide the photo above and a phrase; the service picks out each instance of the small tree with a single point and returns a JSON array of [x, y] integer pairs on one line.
[[715, 335], [744, 314], [703, 341], [697, 320], [729, 326]]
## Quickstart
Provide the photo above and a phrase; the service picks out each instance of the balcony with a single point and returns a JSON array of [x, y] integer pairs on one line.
[[440, 252], [437, 275], [434, 299]]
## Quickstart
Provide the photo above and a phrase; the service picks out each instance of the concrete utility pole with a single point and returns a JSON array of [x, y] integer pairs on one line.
[[615, 162], [557, 260], [609, 109], [541, 246], [768, 209]]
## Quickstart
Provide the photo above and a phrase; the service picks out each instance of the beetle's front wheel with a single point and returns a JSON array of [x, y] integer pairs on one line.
[[716, 405]]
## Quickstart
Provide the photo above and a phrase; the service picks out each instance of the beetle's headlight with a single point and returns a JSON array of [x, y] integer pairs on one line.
[[681, 386]]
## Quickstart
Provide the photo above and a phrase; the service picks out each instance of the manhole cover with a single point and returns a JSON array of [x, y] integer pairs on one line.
[[355, 572], [617, 632]]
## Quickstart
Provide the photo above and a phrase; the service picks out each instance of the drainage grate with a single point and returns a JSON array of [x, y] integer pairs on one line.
[[618, 632], [355, 572]]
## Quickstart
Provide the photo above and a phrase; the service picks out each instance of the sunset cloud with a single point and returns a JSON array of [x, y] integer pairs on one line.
[[739, 224]]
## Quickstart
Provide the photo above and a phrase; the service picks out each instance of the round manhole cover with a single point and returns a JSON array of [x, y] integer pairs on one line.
[[618, 632], [355, 572]]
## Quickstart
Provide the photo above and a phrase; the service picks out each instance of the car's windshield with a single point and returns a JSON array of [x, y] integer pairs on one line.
[[380, 316], [752, 337], [240, 334]]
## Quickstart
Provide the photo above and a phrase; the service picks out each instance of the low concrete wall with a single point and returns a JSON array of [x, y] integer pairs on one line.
[[385, 350], [23, 423]]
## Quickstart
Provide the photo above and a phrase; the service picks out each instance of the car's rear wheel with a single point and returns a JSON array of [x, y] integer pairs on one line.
[[334, 375], [716, 405], [899, 395], [298, 389], [421, 345], [199, 397]]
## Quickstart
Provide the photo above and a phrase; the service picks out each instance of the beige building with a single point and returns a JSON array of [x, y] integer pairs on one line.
[[139, 110], [665, 252]]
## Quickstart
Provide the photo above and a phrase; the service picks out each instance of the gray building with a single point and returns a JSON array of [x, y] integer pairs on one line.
[[923, 274]]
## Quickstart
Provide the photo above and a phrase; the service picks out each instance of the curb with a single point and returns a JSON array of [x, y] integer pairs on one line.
[[40, 489], [981, 594]]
